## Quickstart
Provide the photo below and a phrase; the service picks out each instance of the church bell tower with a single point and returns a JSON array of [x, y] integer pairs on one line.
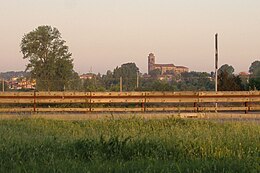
[[151, 62]]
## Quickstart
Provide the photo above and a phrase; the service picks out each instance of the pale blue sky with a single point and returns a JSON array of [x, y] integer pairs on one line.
[[103, 34]]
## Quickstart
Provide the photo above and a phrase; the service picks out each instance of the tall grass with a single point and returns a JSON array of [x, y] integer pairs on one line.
[[133, 145]]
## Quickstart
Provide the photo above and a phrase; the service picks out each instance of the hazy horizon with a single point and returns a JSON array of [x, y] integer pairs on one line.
[[104, 34]]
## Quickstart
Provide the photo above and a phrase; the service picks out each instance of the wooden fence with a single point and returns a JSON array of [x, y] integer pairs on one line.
[[129, 101]]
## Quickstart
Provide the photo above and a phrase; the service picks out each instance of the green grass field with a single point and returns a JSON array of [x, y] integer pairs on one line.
[[133, 145]]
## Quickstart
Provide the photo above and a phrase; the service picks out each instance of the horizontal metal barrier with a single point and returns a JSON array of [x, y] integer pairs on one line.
[[129, 101]]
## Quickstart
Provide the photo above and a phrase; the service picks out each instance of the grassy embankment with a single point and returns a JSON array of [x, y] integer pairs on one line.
[[134, 145]]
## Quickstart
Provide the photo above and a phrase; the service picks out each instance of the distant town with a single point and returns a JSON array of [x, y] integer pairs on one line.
[[21, 80]]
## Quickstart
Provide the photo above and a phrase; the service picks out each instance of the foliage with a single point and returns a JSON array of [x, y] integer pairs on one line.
[[128, 72], [109, 82], [133, 145], [156, 72], [254, 70], [94, 84], [255, 67], [50, 61], [227, 69], [188, 81], [157, 85], [74, 84], [194, 81], [227, 81]]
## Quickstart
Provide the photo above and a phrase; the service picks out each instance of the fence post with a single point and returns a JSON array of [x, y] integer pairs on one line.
[[143, 104], [34, 101], [246, 105], [196, 106], [90, 102]]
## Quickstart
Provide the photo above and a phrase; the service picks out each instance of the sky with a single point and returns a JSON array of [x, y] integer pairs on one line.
[[103, 34]]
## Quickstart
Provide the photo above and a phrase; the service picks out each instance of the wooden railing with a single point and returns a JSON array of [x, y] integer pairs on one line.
[[129, 101]]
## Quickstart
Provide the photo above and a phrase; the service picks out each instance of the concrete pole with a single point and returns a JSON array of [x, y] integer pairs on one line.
[[216, 66], [216, 62], [121, 84]]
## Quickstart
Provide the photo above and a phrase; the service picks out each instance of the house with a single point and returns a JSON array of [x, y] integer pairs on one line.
[[87, 76]]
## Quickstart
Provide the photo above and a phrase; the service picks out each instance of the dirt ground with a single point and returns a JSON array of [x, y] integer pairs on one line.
[[89, 116]]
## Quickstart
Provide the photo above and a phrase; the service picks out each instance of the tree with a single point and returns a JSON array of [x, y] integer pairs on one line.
[[194, 81], [152, 84], [128, 72], [93, 84], [75, 84], [50, 61], [109, 82], [226, 68], [254, 71], [255, 67], [156, 72], [227, 82]]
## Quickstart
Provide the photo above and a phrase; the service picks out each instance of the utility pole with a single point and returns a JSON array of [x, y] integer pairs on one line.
[[216, 62], [216, 65], [121, 84]]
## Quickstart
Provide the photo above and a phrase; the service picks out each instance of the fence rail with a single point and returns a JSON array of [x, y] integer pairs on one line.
[[129, 101]]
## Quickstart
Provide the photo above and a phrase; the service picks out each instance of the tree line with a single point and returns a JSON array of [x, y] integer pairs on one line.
[[51, 64]]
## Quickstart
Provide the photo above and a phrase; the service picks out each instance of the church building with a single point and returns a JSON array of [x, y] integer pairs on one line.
[[164, 68]]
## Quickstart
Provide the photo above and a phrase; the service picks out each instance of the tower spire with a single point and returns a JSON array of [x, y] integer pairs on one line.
[[151, 62]]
